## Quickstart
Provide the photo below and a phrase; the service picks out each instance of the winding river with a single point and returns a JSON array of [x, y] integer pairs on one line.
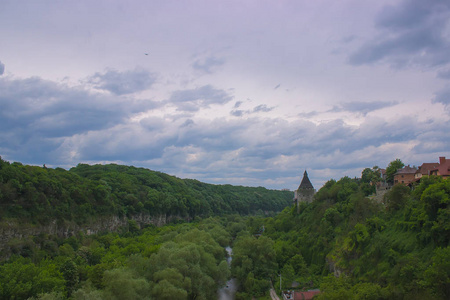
[[229, 290]]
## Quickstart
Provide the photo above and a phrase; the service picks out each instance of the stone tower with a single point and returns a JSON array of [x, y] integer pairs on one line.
[[305, 191]]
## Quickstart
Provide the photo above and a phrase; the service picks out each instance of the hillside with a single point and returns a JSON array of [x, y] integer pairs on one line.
[[41, 195], [106, 198], [344, 243], [352, 247]]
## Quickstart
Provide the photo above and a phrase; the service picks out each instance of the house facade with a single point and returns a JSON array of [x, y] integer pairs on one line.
[[405, 176]]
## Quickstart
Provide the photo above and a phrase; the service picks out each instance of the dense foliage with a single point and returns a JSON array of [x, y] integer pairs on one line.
[[346, 242], [41, 195], [185, 261], [353, 247]]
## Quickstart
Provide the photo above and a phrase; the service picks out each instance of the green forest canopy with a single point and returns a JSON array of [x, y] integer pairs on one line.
[[41, 195], [345, 243]]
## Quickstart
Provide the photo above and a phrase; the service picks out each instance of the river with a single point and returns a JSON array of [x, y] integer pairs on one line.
[[229, 290]]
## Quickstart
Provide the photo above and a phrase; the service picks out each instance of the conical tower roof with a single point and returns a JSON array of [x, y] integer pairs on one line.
[[305, 184]]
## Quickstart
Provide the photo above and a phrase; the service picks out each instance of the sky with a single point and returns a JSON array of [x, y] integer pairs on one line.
[[238, 92]]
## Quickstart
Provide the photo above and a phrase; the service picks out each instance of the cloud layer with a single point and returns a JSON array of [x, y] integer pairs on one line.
[[412, 33], [46, 122], [249, 93]]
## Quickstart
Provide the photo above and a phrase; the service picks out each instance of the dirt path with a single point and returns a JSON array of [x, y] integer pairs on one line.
[[274, 295]]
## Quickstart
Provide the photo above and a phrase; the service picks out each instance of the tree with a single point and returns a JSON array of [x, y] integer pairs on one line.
[[335, 288], [165, 290], [256, 255], [392, 169], [437, 276], [369, 178], [121, 284], [396, 198], [69, 271]]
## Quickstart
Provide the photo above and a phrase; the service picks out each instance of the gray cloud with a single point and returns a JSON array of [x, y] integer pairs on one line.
[[349, 39], [194, 99], [256, 109], [208, 64], [412, 33], [434, 139], [362, 107], [237, 112], [122, 83], [308, 114], [443, 96], [2, 68], [238, 104], [40, 114], [42, 124], [262, 108], [444, 74]]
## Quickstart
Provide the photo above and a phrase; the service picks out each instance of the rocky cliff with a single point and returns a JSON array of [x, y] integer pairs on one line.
[[12, 231]]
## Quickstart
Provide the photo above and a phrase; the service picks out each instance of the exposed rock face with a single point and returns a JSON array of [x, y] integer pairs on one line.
[[333, 268], [13, 230]]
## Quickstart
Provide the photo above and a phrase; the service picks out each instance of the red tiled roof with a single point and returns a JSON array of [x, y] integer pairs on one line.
[[444, 167], [425, 168], [305, 295]]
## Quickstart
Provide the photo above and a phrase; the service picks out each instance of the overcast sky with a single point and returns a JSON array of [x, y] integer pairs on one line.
[[228, 92]]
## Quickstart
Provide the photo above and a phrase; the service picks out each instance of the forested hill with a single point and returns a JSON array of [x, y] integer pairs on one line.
[[352, 246], [41, 195]]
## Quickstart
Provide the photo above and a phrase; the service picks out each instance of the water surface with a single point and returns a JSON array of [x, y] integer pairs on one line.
[[229, 290]]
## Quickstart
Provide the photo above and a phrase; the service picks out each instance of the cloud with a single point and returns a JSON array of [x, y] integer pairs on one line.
[[238, 104], [193, 99], [308, 115], [37, 114], [257, 109], [122, 83], [2, 68], [412, 33], [45, 122], [237, 112], [444, 74], [434, 139], [208, 64], [362, 107], [262, 108], [443, 96]]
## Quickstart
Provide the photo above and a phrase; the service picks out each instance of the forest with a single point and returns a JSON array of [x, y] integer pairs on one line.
[[41, 195], [345, 243]]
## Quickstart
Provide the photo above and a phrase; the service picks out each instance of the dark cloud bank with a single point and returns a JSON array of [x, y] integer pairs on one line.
[[45, 122], [413, 34], [410, 34]]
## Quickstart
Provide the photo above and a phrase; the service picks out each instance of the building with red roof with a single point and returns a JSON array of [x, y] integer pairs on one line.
[[405, 176], [443, 169], [425, 170]]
